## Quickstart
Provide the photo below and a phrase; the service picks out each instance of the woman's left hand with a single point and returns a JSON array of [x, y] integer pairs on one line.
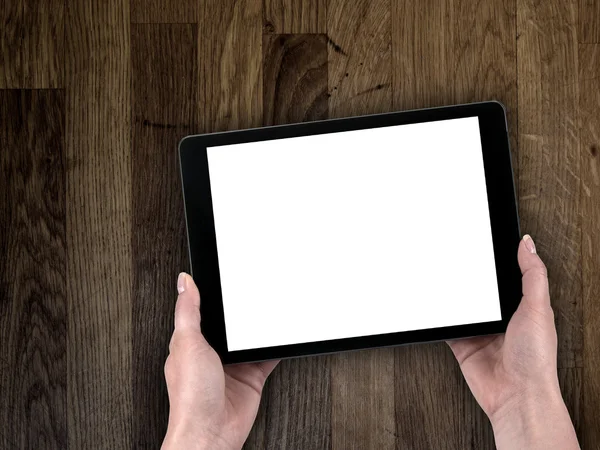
[[211, 406]]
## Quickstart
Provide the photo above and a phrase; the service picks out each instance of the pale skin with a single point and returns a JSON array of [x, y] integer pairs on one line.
[[513, 376]]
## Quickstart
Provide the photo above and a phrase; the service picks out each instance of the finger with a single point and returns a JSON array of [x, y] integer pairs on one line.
[[266, 367], [465, 348], [535, 276], [187, 308], [253, 375]]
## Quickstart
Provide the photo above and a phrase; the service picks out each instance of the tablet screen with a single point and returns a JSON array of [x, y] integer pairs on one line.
[[353, 233]]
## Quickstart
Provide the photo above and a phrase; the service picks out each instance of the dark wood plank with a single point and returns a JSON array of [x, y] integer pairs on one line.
[[296, 411], [229, 64], [99, 276], [363, 399], [449, 65], [43, 47], [11, 18], [230, 95], [296, 407], [589, 21], [258, 433], [422, 64], [434, 408], [589, 104], [448, 52], [33, 305], [360, 63], [298, 16], [294, 78], [360, 82], [549, 158], [164, 109], [484, 68], [550, 166], [164, 11], [31, 45]]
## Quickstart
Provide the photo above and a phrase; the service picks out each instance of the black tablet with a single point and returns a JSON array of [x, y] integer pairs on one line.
[[353, 233]]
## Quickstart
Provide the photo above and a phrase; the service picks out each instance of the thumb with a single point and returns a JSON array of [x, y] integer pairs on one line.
[[187, 308], [535, 277]]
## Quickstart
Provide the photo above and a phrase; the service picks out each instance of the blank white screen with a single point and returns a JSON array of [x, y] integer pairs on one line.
[[353, 234]]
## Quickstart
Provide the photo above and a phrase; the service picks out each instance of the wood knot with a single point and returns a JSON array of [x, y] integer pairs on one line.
[[269, 27]]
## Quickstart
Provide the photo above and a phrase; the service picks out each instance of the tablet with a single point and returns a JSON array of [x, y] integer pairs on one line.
[[353, 233]]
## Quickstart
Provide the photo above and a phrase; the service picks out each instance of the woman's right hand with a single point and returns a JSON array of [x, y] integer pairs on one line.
[[514, 376]]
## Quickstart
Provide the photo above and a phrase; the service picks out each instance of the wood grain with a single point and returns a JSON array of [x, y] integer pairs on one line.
[[91, 227], [589, 106], [99, 276], [449, 66], [294, 78], [296, 410], [550, 165], [297, 16], [229, 64], [422, 63], [11, 19], [485, 68], [434, 408], [360, 57], [435, 64], [31, 44], [164, 109], [363, 400], [164, 11], [549, 158], [589, 21], [360, 76], [33, 306]]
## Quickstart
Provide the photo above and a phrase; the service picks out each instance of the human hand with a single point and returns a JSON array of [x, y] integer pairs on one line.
[[513, 376], [211, 406]]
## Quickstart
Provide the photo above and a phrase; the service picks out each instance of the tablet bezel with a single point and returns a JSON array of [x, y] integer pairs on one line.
[[501, 200]]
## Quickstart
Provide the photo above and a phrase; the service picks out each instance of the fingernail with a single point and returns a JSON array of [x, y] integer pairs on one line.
[[181, 282], [529, 243]]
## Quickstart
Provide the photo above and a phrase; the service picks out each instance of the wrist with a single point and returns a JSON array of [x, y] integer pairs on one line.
[[526, 403], [535, 417]]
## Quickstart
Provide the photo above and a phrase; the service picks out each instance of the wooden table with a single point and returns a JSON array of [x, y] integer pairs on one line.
[[94, 99]]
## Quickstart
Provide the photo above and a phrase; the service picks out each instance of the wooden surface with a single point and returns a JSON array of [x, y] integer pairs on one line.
[[589, 104], [31, 46], [94, 97], [164, 63], [33, 303], [99, 224]]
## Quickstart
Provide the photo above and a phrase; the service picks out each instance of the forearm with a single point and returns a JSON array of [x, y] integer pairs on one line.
[[537, 420]]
